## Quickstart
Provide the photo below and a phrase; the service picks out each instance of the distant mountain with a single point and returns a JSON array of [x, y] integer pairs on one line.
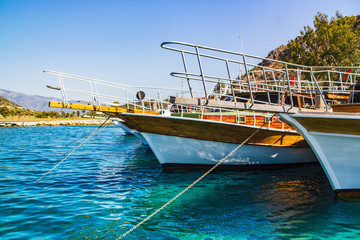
[[34, 102], [6, 103], [10, 109]]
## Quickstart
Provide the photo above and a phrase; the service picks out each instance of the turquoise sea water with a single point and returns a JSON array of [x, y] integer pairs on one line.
[[112, 182]]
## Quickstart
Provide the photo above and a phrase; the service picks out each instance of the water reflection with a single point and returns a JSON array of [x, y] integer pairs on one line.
[[234, 204], [113, 182]]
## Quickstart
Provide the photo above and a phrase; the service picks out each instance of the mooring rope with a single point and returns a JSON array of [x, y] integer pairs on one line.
[[99, 129], [196, 181], [76, 140], [102, 125]]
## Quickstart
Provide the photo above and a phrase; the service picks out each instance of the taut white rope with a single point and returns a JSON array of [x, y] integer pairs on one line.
[[195, 182], [99, 129]]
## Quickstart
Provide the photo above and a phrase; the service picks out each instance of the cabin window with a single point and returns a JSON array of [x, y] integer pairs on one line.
[[240, 119]]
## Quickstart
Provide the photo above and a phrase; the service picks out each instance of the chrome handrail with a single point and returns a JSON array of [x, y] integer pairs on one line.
[[338, 78]]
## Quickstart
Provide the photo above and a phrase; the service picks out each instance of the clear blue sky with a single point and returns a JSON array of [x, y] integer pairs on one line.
[[120, 41]]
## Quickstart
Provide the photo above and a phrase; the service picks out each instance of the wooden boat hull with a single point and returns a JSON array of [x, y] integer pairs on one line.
[[193, 143], [335, 139], [212, 130]]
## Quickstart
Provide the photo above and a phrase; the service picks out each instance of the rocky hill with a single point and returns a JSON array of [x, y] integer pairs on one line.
[[6, 103], [10, 109], [34, 102], [334, 42]]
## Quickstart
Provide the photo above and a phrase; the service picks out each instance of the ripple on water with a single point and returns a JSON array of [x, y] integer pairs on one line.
[[113, 182]]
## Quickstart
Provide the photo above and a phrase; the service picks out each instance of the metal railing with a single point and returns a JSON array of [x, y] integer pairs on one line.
[[219, 114], [237, 75], [92, 93], [97, 92]]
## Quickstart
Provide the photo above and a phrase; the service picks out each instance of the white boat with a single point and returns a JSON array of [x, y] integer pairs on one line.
[[270, 86], [328, 117], [335, 139], [181, 143]]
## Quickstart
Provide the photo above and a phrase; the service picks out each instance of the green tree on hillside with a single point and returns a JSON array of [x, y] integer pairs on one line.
[[333, 43], [4, 111]]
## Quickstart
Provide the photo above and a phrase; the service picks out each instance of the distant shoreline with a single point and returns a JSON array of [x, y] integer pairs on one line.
[[51, 122]]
